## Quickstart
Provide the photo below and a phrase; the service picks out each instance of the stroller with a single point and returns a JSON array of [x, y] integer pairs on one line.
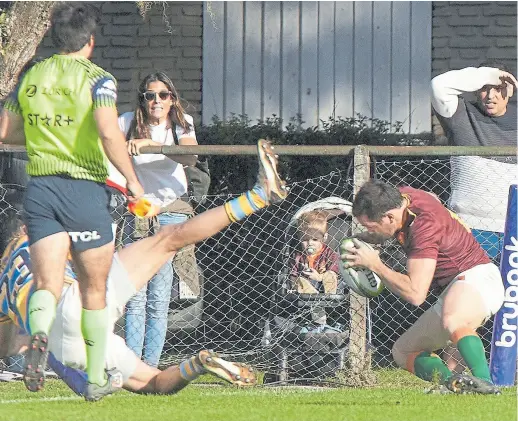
[[303, 349]]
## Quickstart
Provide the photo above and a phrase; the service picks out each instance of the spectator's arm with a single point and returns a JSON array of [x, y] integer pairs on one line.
[[446, 87]]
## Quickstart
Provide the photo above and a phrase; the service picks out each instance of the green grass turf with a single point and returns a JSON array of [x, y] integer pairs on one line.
[[397, 397]]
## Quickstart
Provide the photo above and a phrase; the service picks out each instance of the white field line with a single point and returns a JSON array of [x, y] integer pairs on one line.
[[222, 390], [55, 398]]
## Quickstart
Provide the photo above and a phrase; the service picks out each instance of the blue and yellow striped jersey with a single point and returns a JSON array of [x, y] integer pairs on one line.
[[16, 283]]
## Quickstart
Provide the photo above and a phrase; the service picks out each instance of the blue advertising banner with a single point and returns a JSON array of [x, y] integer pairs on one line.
[[504, 345]]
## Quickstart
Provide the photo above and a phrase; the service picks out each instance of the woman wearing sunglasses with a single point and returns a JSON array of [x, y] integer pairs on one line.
[[159, 119]]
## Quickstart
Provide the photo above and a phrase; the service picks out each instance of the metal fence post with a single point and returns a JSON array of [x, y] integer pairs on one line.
[[358, 304]]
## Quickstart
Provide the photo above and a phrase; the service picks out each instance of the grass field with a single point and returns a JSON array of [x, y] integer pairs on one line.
[[216, 402]]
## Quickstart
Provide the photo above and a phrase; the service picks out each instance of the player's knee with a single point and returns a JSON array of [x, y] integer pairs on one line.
[[172, 236], [93, 295], [451, 322]]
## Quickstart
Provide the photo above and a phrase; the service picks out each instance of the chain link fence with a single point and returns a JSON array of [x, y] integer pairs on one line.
[[233, 293]]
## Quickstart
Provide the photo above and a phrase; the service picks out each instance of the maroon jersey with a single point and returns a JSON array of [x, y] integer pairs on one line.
[[430, 231]]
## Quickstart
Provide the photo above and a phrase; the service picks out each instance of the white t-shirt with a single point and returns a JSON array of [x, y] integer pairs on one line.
[[480, 189], [162, 178]]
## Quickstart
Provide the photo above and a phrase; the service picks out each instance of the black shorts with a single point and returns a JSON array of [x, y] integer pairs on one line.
[[58, 204]]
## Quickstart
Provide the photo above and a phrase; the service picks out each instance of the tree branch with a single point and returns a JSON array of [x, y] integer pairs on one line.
[[25, 24]]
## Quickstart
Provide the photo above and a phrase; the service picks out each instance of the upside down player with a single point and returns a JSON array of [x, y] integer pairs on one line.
[[131, 269], [441, 251]]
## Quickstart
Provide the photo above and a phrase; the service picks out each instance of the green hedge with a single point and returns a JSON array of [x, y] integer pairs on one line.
[[232, 174]]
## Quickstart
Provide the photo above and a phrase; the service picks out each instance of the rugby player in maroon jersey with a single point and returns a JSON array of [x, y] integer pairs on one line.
[[441, 252]]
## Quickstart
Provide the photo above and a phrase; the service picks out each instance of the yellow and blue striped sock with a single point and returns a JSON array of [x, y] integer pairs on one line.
[[191, 369], [246, 204]]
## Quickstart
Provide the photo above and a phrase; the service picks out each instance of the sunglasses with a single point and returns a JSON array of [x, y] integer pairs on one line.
[[150, 95]]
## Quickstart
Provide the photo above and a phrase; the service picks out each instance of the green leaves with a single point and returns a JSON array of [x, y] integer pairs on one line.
[[235, 174]]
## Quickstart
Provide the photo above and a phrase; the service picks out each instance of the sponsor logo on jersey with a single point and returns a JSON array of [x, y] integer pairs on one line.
[[106, 88], [31, 90]]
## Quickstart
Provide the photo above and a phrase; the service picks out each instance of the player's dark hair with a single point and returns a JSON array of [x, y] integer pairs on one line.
[[73, 24], [375, 198], [139, 128]]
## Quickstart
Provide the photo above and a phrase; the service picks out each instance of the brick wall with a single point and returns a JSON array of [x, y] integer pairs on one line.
[[466, 33], [463, 34], [130, 47]]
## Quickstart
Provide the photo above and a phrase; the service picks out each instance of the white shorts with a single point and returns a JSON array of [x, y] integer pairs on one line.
[[428, 334], [487, 280], [65, 339]]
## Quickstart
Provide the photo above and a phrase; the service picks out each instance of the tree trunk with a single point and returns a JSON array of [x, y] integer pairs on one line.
[[25, 24]]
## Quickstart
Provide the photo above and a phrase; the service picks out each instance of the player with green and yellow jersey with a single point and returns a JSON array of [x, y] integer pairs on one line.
[[64, 111]]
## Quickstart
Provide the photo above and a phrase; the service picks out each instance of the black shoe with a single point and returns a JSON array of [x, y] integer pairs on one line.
[[35, 362], [464, 383]]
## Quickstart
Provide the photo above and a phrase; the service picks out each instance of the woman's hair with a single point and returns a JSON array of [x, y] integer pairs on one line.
[[140, 125]]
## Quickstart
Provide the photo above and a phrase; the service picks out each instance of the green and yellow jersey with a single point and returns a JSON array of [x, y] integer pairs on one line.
[[57, 99]]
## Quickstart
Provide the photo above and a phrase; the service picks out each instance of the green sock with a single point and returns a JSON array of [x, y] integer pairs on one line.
[[42, 311], [430, 367], [472, 350], [94, 326]]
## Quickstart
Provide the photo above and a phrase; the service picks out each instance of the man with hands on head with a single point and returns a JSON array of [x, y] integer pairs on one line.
[[479, 185], [441, 252]]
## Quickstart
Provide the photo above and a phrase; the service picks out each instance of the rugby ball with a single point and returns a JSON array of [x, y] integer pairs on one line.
[[359, 279]]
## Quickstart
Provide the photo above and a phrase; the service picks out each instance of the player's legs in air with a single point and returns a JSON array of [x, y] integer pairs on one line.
[[459, 311], [269, 188], [155, 251]]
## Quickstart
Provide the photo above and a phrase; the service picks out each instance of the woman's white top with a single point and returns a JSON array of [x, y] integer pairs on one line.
[[162, 178]]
